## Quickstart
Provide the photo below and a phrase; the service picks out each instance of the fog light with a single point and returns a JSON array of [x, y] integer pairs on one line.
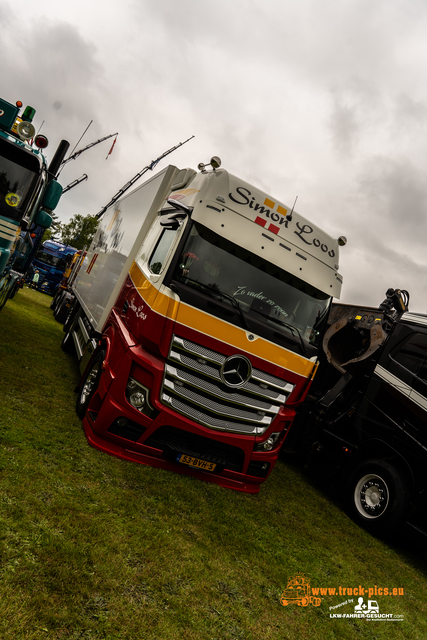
[[137, 400], [138, 397]]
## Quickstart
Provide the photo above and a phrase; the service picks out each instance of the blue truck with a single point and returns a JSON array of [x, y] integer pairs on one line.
[[51, 261], [29, 192]]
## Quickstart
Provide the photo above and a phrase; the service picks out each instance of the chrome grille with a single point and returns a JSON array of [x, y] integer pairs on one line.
[[193, 386]]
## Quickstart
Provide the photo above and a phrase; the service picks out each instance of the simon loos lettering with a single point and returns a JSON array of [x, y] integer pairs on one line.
[[245, 197], [137, 310], [273, 218]]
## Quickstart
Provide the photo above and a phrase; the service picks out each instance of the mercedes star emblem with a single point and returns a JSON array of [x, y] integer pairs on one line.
[[235, 371]]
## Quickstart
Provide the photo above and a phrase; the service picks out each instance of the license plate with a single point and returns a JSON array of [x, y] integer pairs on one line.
[[204, 465]]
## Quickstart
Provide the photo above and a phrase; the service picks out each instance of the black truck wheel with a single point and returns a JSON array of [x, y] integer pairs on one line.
[[90, 384], [67, 344], [71, 315], [4, 292], [63, 307], [14, 289], [58, 298], [55, 299], [377, 497]]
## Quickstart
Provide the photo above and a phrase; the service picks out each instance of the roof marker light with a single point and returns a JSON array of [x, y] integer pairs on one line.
[[41, 141]]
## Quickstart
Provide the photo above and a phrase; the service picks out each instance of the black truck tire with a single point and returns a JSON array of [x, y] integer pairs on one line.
[[67, 344], [14, 289], [4, 294], [54, 301], [57, 299], [62, 309], [72, 313], [377, 497], [89, 384]]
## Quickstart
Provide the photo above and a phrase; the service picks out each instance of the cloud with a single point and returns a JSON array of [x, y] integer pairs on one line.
[[317, 100], [393, 193]]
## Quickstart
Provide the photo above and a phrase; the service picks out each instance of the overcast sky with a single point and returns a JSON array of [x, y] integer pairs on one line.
[[326, 101]]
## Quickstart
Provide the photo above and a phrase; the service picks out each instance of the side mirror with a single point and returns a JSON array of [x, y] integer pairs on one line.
[[42, 219], [173, 220], [52, 195]]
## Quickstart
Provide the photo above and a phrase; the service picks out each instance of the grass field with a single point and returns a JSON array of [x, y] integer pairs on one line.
[[92, 547]]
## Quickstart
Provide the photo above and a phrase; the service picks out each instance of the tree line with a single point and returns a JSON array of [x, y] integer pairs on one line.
[[78, 232]]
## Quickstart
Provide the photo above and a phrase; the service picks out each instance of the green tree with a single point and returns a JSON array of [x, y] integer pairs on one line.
[[54, 231], [79, 231]]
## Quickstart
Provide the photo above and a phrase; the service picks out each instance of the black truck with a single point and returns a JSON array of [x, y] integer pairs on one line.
[[366, 418]]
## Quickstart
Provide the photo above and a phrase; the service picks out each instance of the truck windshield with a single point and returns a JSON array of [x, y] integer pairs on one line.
[[226, 280], [19, 172], [49, 260]]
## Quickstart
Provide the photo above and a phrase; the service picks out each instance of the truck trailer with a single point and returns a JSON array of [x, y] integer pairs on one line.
[[198, 315]]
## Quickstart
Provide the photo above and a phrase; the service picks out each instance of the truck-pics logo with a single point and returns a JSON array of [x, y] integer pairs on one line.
[[298, 592], [368, 611]]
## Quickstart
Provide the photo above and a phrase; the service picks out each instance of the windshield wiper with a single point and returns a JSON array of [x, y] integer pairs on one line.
[[222, 294], [288, 326], [235, 304]]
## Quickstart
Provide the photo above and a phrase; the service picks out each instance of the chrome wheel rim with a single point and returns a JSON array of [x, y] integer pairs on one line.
[[89, 384], [371, 496]]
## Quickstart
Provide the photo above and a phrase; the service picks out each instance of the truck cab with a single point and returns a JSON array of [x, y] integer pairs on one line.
[[366, 420], [52, 260], [200, 308], [29, 191]]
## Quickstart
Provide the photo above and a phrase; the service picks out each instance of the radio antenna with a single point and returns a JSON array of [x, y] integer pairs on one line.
[[289, 215]]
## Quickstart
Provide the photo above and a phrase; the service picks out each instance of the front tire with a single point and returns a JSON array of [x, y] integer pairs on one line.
[[67, 344], [14, 289], [4, 292], [90, 384], [377, 497]]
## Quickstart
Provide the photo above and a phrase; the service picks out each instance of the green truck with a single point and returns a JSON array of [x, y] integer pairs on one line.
[[29, 191]]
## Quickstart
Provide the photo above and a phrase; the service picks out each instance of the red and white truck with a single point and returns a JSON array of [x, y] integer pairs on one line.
[[199, 313]]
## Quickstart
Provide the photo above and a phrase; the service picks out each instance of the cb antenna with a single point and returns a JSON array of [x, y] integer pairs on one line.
[[289, 215]]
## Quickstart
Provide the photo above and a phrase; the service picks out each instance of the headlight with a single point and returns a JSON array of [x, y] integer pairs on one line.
[[25, 130], [270, 443], [138, 397]]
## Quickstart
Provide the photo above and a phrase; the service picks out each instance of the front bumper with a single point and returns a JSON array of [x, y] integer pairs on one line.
[[117, 430]]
